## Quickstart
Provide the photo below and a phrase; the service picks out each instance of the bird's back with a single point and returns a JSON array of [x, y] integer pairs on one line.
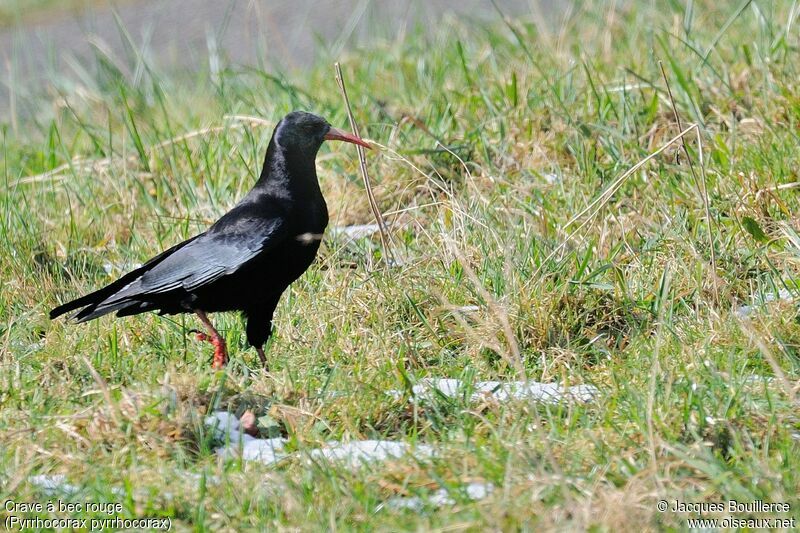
[[267, 275]]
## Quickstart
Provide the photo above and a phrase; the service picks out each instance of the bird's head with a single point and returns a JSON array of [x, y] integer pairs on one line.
[[305, 132]]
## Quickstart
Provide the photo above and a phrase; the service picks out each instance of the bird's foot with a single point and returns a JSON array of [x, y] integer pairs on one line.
[[220, 353], [213, 336]]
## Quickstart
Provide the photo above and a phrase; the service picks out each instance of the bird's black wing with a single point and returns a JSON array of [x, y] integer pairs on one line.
[[210, 257], [219, 252], [112, 288]]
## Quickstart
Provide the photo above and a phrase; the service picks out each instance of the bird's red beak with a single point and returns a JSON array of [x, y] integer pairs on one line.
[[339, 135]]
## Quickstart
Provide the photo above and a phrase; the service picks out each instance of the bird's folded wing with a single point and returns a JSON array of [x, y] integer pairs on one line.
[[209, 257]]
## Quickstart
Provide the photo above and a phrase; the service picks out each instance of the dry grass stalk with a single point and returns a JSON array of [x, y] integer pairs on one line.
[[701, 183], [362, 160]]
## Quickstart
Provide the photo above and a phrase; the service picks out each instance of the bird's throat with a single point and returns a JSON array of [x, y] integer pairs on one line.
[[288, 171]]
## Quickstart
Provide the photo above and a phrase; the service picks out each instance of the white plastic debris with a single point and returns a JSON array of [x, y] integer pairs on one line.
[[357, 231], [353, 454], [439, 498], [227, 430], [760, 300], [466, 309], [532, 390], [239, 436], [478, 491], [267, 451], [357, 453], [758, 380], [222, 421], [447, 387], [783, 294], [474, 491], [271, 451], [501, 391], [55, 484], [196, 477]]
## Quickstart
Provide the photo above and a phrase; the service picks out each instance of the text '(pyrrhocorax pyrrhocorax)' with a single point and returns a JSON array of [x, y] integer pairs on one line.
[[246, 259]]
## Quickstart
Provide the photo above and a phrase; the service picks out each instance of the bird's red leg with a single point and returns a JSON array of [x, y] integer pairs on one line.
[[220, 350]]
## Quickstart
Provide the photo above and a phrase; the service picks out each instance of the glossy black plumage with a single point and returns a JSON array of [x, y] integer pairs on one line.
[[245, 260]]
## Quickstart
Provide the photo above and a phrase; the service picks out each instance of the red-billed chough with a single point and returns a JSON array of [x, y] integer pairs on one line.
[[246, 259]]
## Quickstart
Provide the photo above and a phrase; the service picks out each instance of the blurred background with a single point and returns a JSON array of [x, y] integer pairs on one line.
[[61, 41]]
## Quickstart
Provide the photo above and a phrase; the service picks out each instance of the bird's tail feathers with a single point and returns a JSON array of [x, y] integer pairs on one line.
[[91, 306], [97, 304], [89, 300], [96, 311]]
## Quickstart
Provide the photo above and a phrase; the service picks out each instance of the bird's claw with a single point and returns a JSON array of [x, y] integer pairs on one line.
[[199, 335], [220, 349]]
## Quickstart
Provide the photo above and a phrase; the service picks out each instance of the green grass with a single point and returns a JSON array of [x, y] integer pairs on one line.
[[23, 11], [696, 404]]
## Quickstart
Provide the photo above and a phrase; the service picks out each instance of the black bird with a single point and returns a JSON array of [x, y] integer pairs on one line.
[[246, 259]]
